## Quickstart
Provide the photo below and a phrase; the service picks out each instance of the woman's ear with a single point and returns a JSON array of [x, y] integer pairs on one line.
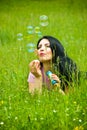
[[35, 51]]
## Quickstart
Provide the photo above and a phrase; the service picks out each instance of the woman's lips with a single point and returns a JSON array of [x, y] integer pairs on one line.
[[42, 54]]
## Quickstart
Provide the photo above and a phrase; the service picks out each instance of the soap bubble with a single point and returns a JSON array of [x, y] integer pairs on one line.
[[44, 20], [30, 47], [19, 36], [37, 29], [39, 34], [30, 29]]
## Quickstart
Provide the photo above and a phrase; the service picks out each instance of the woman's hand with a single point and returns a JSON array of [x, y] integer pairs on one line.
[[55, 77], [35, 68]]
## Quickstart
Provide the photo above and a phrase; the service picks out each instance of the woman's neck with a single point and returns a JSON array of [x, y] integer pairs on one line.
[[47, 66]]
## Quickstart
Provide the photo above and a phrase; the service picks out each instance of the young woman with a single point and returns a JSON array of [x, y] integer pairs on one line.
[[51, 56]]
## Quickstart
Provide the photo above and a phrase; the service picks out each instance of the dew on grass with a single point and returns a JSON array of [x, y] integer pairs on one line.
[[30, 47], [44, 20], [19, 36]]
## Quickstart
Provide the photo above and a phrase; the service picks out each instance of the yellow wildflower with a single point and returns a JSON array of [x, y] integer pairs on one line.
[[78, 128]]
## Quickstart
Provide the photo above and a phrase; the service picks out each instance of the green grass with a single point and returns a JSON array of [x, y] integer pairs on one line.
[[52, 111]]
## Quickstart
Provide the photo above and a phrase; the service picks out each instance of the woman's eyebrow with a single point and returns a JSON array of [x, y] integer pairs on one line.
[[47, 43]]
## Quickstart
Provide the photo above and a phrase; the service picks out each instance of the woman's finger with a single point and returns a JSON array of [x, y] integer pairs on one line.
[[55, 77]]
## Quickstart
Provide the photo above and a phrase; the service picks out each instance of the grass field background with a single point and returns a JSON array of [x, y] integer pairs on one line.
[[52, 111]]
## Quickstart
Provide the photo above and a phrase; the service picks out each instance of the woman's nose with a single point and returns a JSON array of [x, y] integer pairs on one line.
[[43, 48]]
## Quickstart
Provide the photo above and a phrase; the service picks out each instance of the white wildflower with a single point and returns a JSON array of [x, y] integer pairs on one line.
[[74, 119], [35, 119], [1, 123], [16, 118], [54, 111], [80, 120]]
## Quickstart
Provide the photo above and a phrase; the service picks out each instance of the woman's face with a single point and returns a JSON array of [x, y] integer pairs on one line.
[[44, 51]]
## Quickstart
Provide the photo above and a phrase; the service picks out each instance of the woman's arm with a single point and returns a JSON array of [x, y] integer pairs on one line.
[[36, 86], [35, 77], [56, 86]]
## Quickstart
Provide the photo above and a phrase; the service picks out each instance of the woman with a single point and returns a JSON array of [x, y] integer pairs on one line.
[[51, 56]]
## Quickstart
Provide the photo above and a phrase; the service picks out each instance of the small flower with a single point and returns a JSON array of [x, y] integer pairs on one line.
[[1, 123], [41, 118], [78, 128], [81, 128], [74, 102], [35, 119], [80, 120], [54, 111], [74, 119], [16, 118]]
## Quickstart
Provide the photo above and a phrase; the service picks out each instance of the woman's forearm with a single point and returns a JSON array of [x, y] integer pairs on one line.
[[36, 86]]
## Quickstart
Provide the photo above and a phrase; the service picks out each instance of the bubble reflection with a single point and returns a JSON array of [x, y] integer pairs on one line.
[[30, 47], [44, 20]]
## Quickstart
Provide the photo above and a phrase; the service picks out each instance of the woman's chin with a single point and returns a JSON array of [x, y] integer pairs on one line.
[[44, 60]]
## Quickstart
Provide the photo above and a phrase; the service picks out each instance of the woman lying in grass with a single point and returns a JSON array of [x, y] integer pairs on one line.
[[51, 57]]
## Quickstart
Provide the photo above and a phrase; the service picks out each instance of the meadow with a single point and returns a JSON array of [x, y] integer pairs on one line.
[[19, 110]]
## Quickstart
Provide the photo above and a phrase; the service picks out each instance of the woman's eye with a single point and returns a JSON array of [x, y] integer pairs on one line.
[[47, 45], [39, 47], [44, 46]]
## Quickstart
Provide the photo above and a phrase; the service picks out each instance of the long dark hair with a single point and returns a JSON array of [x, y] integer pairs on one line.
[[64, 66]]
